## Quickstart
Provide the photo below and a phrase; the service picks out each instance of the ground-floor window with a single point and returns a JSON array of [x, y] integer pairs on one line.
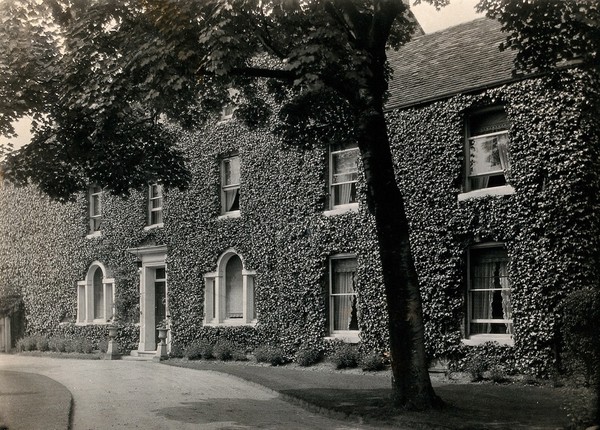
[[343, 301], [229, 292], [489, 310], [95, 296]]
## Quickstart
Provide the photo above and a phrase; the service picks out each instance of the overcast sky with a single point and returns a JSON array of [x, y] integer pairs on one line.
[[456, 12]]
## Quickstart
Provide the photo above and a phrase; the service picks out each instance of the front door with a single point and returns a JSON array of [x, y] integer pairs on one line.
[[160, 298]]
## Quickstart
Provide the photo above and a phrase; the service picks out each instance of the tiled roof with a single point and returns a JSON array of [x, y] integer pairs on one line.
[[458, 59]]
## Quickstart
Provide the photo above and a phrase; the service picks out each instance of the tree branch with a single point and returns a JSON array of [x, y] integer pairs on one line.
[[256, 72], [384, 14], [333, 11], [266, 40]]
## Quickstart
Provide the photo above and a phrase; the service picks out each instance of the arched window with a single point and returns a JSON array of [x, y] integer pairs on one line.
[[95, 296], [229, 292], [98, 294], [234, 288]]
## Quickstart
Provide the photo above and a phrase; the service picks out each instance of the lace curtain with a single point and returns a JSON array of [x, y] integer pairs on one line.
[[344, 296], [492, 278]]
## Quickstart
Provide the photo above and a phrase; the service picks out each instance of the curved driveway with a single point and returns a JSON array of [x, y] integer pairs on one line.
[[147, 395]]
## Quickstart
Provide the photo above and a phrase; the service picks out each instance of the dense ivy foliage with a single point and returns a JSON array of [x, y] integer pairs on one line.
[[550, 226], [282, 234]]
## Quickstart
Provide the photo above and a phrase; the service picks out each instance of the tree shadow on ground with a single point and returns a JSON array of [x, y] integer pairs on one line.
[[466, 406], [236, 413]]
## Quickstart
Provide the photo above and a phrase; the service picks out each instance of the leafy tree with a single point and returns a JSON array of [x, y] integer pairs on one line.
[[107, 76], [548, 33]]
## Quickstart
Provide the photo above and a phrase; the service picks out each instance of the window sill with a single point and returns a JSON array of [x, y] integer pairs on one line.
[[94, 235], [478, 339], [341, 209], [230, 323], [153, 226], [95, 322], [228, 215], [225, 119], [348, 337], [495, 191]]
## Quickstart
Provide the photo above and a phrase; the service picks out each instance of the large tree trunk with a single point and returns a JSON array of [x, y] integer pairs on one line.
[[411, 383]]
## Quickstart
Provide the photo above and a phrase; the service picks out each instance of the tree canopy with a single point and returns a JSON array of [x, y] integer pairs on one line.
[[103, 78], [548, 33]]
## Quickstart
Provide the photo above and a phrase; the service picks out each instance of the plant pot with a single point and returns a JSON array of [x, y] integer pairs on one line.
[[112, 332], [162, 333]]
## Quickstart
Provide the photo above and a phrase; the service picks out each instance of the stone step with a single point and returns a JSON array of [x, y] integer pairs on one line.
[[140, 356]]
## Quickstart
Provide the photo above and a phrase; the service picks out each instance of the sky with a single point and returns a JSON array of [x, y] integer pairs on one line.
[[458, 11]]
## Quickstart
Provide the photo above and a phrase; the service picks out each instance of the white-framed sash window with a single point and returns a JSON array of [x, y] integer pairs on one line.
[[489, 306], [230, 185], [343, 300], [155, 205], [343, 175]]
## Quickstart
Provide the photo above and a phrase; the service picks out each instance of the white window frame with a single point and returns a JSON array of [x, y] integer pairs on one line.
[[85, 297], [230, 107], [159, 196], [350, 336], [334, 209], [215, 299], [476, 339], [94, 200], [470, 192], [229, 187]]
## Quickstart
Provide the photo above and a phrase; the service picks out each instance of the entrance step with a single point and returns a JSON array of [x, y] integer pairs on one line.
[[140, 356]]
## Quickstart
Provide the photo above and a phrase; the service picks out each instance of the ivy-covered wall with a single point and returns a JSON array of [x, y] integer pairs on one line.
[[550, 226]]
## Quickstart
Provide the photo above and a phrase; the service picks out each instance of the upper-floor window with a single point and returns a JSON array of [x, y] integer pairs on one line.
[[231, 105], [343, 174], [487, 150], [94, 208], [155, 204], [343, 301], [230, 185], [489, 308]]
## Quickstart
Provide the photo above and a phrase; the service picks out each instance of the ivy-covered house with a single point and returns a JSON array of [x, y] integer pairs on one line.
[[274, 244]]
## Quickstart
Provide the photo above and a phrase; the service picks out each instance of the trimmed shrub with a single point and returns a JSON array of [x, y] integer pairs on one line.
[[269, 354], [27, 343], [103, 345], [581, 319], [199, 349], [346, 356], [71, 345], [489, 356], [307, 356], [58, 344], [372, 362], [239, 355], [85, 346], [223, 350], [42, 343], [177, 351]]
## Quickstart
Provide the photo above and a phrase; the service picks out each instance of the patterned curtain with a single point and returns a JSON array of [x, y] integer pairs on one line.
[[506, 306], [483, 278]]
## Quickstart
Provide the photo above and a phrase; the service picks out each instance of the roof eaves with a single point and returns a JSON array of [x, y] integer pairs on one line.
[[422, 102]]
